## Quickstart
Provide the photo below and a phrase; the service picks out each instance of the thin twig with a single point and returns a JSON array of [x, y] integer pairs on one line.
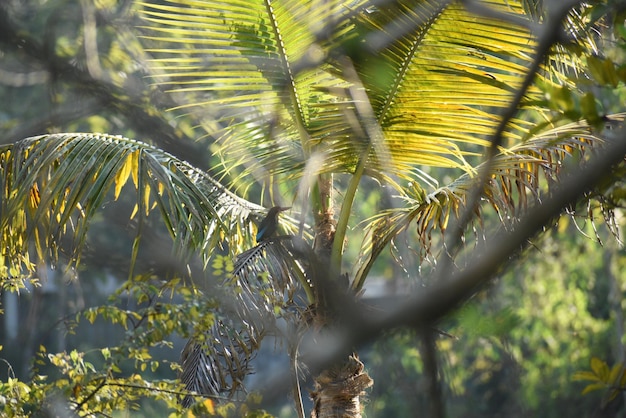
[[92, 394], [431, 371]]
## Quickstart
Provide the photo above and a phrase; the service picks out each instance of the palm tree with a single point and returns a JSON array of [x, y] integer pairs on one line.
[[312, 96]]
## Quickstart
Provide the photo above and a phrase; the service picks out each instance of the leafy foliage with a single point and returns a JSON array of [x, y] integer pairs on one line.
[[118, 377], [603, 377]]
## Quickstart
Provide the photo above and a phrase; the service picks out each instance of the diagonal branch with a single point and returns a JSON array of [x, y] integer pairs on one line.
[[121, 100], [425, 308], [444, 297]]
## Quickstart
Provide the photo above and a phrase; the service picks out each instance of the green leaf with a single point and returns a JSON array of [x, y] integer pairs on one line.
[[601, 369], [585, 375], [615, 374], [592, 387], [603, 71]]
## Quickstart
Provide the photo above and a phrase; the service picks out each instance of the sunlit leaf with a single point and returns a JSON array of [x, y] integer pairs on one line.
[[592, 387], [123, 174], [585, 375], [600, 368]]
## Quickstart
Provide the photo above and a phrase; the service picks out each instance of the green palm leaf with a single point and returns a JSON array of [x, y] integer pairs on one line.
[[52, 185], [517, 172], [271, 117], [438, 78], [434, 74], [235, 64]]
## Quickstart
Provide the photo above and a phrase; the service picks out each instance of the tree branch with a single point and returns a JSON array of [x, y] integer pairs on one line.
[[127, 101], [360, 324]]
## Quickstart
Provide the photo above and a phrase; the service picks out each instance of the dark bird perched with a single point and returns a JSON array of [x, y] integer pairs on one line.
[[269, 224]]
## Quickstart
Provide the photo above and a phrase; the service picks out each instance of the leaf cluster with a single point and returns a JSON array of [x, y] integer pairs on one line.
[[611, 380]]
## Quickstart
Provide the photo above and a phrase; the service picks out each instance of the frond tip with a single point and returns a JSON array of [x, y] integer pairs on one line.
[[520, 176]]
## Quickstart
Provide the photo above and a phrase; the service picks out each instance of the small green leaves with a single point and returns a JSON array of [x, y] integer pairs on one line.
[[603, 377], [119, 376], [603, 71], [222, 265], [600, 368]]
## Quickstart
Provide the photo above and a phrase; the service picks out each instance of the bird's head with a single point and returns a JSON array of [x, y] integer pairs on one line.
[[277, 209]]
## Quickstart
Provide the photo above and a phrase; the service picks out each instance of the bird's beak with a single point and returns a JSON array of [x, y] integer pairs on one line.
[[284, 209]]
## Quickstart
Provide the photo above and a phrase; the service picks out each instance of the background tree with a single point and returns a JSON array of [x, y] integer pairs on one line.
[[314, 97]]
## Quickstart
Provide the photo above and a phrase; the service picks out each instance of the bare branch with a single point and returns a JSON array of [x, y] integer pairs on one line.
[[549, 33], [360, 324], [428, 353]]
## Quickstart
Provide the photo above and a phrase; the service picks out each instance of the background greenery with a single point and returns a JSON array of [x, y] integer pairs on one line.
[[514, 350]]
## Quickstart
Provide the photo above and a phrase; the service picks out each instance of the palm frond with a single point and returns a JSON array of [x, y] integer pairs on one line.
[[269, 274], [52, 185], [263, 286], [435, 76], [529, 168], [235, 66], [219, 362]]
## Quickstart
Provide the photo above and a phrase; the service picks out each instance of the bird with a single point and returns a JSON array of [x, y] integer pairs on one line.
[[269, 224]]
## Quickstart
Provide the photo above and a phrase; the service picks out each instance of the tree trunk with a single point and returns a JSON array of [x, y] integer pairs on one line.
[[338, 390]]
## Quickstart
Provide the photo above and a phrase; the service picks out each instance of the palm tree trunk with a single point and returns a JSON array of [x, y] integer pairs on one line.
[[338, 390]]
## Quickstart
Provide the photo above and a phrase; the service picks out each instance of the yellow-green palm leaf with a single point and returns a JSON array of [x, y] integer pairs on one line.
[[52, 185], [269, 79], [526, 169]]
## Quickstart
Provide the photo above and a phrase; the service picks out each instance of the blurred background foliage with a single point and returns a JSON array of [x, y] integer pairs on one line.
[[512, 351], [517, 345]]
